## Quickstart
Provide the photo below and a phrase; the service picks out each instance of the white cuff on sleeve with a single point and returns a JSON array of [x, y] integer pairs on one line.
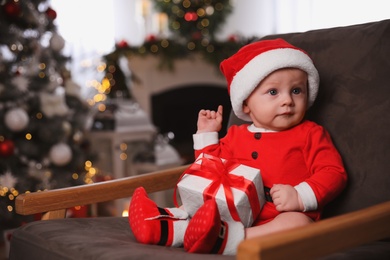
[[205, 139], [307, 195]]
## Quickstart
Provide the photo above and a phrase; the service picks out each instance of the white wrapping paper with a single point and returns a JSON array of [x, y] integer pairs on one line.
[[191, 188]]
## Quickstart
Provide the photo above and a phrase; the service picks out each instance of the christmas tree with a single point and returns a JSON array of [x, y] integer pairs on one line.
[[42, 115]]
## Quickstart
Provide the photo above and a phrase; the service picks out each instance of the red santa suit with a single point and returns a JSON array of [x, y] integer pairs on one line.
[[303, 156]]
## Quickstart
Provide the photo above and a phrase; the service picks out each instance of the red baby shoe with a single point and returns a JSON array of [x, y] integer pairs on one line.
[[154, 225], [206, 232]]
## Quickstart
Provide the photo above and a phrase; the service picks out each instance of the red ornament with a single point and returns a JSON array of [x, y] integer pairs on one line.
[[122, 44], [12, 9], [151, 38], [7, 148], [51, 13]]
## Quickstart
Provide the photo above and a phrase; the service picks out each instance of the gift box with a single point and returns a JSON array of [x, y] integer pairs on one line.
[[237, 189]]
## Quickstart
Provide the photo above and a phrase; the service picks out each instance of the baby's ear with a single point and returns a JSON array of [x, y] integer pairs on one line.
[[245, 107]]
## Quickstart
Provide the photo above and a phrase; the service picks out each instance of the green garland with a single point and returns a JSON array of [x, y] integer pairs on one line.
[[194, 25], [169, 50]]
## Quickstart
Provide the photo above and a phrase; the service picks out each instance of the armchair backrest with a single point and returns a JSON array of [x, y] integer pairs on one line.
[[353, 105]]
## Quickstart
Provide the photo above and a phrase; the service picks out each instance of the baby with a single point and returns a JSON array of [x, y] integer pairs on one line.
[[271, 84]]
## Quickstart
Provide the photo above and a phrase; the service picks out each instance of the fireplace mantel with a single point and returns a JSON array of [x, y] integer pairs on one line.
[[186, 72]]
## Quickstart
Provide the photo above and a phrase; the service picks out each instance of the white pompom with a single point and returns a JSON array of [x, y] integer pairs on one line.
[[60, 154], [16, 119]]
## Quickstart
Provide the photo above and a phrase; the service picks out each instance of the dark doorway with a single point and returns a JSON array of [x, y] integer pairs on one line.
[[176, 111]]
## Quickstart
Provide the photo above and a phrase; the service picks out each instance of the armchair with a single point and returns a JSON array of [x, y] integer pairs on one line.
[[353, 105]]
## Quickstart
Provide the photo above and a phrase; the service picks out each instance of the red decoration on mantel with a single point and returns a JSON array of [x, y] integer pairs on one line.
[[151, 38], [7, 148], [122, 44]]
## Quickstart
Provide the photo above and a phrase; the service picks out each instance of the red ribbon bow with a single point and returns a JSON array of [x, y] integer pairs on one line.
[[218, 171]]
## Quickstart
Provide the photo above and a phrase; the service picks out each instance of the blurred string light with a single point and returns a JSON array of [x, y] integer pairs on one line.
[[112, 83], [90, 172], [101, 88], [10, 193], [123, 154]]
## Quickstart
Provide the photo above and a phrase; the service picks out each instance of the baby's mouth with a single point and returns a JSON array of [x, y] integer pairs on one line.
[[287, 113]]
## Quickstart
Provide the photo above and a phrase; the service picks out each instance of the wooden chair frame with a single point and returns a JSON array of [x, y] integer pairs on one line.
[[315, 240]]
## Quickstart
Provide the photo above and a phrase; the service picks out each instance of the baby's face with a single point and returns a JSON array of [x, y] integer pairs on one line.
[[280, 100]]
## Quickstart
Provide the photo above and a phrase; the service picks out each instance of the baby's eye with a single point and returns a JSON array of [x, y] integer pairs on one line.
[[296, 91], [273, 92]]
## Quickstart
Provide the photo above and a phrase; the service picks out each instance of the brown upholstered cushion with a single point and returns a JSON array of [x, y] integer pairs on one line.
[[90, 238]]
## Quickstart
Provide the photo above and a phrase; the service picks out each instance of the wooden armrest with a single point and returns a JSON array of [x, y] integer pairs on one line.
[[323, 237], [60, 199]]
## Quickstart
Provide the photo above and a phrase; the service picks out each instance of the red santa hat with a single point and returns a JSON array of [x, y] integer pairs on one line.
[[253, 62]]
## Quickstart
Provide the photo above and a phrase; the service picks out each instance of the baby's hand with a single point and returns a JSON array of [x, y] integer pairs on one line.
[[286, 198], [209, 120]]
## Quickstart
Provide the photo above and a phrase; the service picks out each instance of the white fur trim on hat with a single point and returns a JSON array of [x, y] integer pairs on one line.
[[248, 78]]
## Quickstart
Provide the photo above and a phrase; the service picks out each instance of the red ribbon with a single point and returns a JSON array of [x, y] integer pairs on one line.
[[218, 171]]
